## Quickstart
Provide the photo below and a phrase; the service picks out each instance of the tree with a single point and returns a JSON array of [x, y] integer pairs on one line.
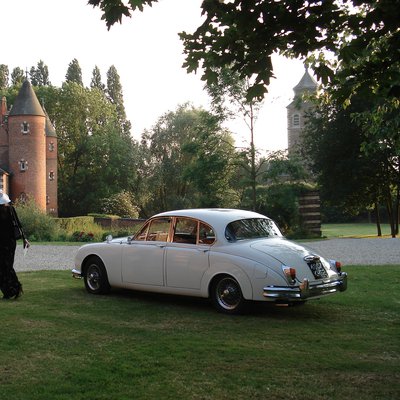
[[121, 204], [96, 79], [382, 143], [188, 161], [115, 95], [74, 72], [348, 177], [17, 76], [4, 75], [40, 74], [228, 93], [244, 34], [96, 159]]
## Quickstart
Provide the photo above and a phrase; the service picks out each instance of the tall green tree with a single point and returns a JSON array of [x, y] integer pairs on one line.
[[188, 161], [74, 73], [348, 177], [4, 76], [40, 75], [228, 92], [96, 159], [115, 95], [96, 81], [17, 76]]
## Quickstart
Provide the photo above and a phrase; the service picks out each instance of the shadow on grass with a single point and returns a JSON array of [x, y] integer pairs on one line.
[[310, 310]]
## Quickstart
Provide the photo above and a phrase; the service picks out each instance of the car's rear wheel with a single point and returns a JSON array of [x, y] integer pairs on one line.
[[227, 296], [95, 276]]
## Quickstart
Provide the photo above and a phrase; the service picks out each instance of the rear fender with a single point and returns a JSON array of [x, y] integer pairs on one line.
[[238, 268]]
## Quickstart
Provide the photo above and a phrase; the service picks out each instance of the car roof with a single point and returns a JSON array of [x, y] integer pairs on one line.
[[216, 217]]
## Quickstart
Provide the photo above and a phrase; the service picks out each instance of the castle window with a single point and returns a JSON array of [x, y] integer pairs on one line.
[[25, 127], [23, 165], [51, 175], [296, 120], [51, 146], [47, 200]]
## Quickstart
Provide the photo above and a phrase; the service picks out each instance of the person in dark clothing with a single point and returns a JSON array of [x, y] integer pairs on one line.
[[10, 231]]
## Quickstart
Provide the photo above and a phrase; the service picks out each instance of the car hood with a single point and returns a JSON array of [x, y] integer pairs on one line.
[[286, 252]]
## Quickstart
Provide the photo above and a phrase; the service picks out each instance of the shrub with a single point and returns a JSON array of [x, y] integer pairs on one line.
[[37, 225], [82, 236], [80, 229], [121, 204]]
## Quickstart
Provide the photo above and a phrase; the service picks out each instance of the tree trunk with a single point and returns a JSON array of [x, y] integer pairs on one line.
[[378, 219], [397, 209], [253, 174], [391, 214]]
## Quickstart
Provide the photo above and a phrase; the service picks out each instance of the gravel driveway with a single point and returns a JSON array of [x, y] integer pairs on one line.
[[348, 251]]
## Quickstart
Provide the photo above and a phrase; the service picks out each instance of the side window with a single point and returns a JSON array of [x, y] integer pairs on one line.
[[206, 234], [156, 230], [185, 231], [141, 235]]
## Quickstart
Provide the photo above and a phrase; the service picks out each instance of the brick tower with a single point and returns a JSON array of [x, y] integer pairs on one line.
[[4, 176], [28, 151], [51, 168]]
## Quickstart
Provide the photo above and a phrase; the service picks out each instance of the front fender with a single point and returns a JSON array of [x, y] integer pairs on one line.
[[109, 253]]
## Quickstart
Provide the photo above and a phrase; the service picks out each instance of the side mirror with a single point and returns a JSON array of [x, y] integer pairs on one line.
[[109, 238]]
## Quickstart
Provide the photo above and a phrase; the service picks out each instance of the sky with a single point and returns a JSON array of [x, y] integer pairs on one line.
[[146, 52]]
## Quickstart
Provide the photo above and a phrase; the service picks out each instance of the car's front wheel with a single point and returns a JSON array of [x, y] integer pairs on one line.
[[95, 276], [227, 296]]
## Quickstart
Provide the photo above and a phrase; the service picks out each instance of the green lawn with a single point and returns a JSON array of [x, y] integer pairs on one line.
[[58, 342], [353, 230]]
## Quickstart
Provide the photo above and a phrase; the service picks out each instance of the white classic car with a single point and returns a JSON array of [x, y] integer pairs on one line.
[[230, 256]]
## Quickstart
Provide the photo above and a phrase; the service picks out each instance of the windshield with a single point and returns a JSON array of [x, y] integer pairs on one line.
[[251, 228]]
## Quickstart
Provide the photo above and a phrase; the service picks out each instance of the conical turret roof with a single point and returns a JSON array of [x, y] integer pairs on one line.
[[307, 84], [26, 102]]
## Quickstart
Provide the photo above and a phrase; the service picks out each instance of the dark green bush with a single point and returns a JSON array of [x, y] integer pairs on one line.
[[37, 225]]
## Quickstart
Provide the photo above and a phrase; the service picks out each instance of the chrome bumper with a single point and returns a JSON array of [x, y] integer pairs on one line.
[[305, 291], [76, 274]]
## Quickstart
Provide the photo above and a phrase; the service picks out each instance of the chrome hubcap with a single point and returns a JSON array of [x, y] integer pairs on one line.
[[93, 278], [228, 294]]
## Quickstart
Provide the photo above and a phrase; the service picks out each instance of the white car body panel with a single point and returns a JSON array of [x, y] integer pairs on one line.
[[142, 263]]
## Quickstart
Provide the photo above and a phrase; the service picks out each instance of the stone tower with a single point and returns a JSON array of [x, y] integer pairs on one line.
[[28, 151], [297, 110]]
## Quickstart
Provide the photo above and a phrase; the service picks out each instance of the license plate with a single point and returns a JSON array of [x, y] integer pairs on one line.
[[318, 270]]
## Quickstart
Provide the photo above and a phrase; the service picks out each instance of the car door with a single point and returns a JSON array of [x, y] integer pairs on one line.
[[143, 258], [187, 255]]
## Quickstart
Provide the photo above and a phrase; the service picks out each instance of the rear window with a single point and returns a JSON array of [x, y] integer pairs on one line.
[[251, 228]]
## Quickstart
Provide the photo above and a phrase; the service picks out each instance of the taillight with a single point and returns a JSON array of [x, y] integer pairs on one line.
[[290, 274], [338, 266]]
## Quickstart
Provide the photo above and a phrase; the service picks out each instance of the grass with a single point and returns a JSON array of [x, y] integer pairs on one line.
[[58, 342], [353, 230]]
